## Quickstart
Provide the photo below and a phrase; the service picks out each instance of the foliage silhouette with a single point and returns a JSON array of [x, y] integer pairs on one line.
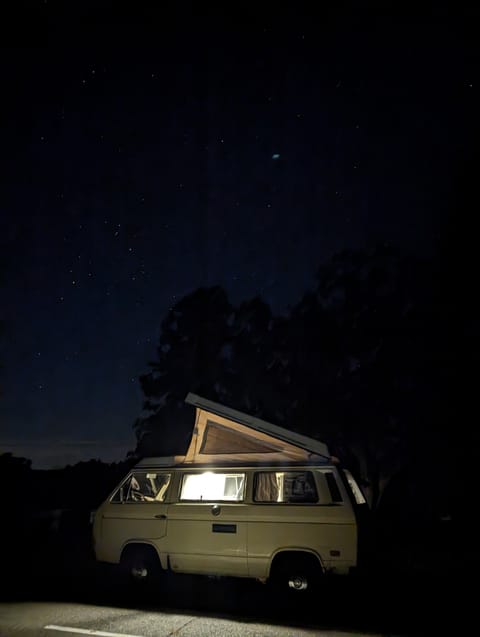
[[356, 363]]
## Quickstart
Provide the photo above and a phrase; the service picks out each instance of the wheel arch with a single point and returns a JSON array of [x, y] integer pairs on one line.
[[283, 555], [144, 545]]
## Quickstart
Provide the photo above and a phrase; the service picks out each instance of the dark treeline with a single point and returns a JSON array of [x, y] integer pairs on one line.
[[371, 361], [82, 486], [366, 362]]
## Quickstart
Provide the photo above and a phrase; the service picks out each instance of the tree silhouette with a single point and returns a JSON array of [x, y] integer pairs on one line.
[[192, 336], [358, 363], [247, 378], [14, 464], [2, 322], [455, 290], [369, 297], [16, 475]]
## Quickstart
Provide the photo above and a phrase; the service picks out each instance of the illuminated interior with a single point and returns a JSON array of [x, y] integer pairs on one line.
[[213, 486]]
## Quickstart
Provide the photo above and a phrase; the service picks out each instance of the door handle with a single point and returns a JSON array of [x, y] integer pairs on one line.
[[160, 516], [216, 509]]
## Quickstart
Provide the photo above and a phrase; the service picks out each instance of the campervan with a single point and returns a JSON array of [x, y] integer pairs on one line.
[[249, 499]]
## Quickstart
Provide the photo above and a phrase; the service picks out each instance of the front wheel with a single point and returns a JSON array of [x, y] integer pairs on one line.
[[140, 565]]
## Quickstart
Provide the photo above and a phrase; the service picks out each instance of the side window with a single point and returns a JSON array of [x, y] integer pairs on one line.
[[143, 486], [333, 487], [285, 486], [213, 486]]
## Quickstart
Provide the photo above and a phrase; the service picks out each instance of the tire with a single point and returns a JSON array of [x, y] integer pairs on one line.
[[296, 573], [140, 566]]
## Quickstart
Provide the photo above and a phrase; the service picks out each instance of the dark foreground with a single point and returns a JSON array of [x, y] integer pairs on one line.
[[58, 568], [46, 619]]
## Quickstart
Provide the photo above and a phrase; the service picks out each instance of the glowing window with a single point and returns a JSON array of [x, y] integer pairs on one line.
[[285, 486], [213, 486]]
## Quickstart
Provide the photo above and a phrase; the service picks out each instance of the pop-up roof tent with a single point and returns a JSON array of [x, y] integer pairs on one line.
[[222, 435]]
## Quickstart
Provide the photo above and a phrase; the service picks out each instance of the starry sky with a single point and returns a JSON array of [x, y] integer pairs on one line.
[[149, 151]]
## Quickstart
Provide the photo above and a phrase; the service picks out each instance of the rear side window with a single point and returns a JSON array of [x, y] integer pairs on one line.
[[210, 486], [333, 487], [143, 486], [286, 487]]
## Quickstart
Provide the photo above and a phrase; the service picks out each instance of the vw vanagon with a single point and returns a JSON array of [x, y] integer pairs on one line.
[[249, 499]]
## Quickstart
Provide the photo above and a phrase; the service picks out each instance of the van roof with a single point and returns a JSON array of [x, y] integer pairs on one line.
[[157, 462], [223, 436]]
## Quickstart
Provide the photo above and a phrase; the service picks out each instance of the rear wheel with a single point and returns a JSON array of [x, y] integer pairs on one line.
[[298, 572]]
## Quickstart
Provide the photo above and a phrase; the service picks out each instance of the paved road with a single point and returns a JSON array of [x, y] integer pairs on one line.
[[42, 602], [42, 619], [45, 591]]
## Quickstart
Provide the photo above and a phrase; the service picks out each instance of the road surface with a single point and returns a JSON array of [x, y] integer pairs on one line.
[[42, 619], [52, 592]]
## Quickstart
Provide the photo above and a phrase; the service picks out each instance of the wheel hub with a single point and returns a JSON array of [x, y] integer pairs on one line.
[[298, 583], [139, 572]]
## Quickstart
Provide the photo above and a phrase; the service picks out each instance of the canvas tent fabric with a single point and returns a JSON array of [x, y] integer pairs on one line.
[[222, 434]]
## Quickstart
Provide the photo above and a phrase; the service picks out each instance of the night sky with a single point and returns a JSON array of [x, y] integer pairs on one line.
[[146, 153]]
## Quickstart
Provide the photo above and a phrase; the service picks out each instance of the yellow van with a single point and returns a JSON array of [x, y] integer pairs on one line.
[[249, 499]]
